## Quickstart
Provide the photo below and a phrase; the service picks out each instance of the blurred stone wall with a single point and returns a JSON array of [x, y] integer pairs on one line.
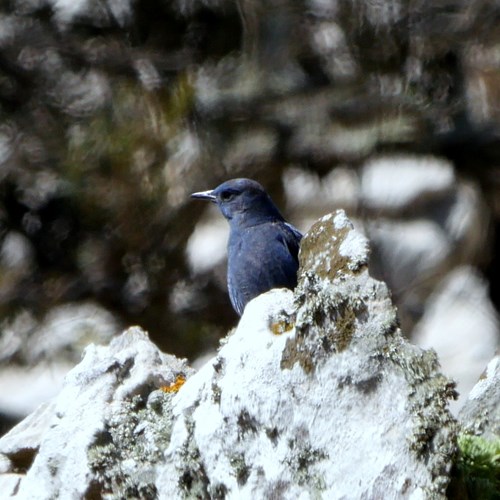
[[112, 112]]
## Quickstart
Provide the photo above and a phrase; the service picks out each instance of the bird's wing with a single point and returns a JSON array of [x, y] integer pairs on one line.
[[292, 240], [261, 258]]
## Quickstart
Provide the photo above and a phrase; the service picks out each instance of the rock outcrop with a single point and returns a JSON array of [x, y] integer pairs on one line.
[[481, 412], [315, 394]]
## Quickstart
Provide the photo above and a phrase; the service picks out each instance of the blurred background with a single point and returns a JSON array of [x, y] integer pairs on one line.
[[113, 111]]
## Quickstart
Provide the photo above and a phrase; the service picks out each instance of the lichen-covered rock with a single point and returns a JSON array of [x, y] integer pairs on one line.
[[321, 397], [461, 324], [315, 395], [477, 472], [66, 447], [480, 414], [36, 353]]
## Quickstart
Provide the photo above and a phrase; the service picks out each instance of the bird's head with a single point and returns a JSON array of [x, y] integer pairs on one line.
[[242, 200]]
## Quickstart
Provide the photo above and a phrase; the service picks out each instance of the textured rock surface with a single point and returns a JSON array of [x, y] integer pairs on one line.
[[36, 354], [313, 396], [480, 414], [54, 445], [113, 111], [423, 222], [461, 324]]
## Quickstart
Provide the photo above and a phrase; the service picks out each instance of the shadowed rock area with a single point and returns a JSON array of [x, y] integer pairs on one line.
[[315, 394]]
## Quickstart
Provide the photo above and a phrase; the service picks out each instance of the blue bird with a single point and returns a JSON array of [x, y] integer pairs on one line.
[[262, 249]]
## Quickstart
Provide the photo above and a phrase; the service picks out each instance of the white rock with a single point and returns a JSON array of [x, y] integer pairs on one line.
[[28, 387], [69, 11], [397, 182], [16, 252], [467, 222], [306, 192], [28, 434], [462, 325], [71, 327], [60, 434], [481, 412], [290, 415], [9, 484], [408, 253], [315, 395], [47, 350], [206, 247]]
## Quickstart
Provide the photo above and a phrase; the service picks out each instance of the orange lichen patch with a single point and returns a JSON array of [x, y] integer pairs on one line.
[[280, 327], [174, 386]]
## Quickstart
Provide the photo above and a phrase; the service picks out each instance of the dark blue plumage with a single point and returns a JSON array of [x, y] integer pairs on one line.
[[262, 247]]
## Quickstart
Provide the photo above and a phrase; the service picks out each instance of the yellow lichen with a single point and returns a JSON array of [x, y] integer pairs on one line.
[[280, 327], [174, 386]]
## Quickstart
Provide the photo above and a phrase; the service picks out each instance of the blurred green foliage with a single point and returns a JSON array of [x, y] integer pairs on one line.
[[479, 466]]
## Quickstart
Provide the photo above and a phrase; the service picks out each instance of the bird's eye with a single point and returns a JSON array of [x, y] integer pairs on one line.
[[226, 195]]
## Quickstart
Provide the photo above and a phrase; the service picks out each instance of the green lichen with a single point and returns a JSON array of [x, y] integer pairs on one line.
[[434, 428], [247, 424], [320, 251], [301, 460], [334, 313], [344, 318], [332, 317], [124, 455], [273, 435], [216, 393], [240, 468], [193, 479], [217, 491], [295, 352]]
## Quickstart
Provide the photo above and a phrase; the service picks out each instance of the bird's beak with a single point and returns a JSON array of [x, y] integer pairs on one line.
[[205, 195]]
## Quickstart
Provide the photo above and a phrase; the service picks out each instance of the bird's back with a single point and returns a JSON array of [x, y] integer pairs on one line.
[[261, 257]]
